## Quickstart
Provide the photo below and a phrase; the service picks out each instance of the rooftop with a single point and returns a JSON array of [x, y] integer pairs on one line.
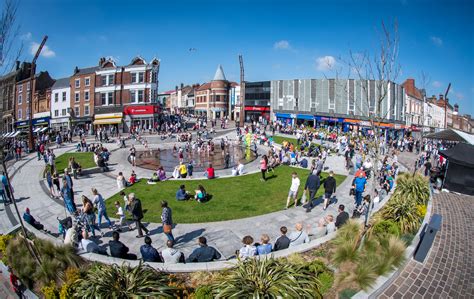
[[61, 83], [219, 76]]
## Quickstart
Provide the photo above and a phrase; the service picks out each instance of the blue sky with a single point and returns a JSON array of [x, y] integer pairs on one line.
[[279, 39]]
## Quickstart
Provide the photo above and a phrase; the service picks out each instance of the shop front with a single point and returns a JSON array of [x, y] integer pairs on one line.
[[141, 117], [60, 124], [82, 123], [255, 112], [41, 125], [111, 122]]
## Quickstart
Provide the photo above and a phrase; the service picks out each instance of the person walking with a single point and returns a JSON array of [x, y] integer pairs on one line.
[[359, 187], [137, 214], [312, 186], [295, 184], [167, 221], [98, 200], [329, 189], [68, 201], [263, 167]]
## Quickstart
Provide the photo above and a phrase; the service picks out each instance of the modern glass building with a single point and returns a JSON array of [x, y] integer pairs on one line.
[[346, 103], [257, 100]]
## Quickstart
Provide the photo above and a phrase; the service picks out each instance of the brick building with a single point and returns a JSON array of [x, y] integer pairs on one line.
[[212, 99], [82, 83], [39, 91], [126, 96], [8, 95]]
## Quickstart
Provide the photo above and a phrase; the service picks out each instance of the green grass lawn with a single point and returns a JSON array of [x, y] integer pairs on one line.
[[86, 160], [232, 198], [280, 139]]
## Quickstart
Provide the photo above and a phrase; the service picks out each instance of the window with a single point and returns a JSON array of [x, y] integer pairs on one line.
[[140, 96], [138, 77], [64, 96], [87, 81], [28, 85], [20, 98], [133, 95], [107, 80], [77, 96], [56, 113], [154, 76], [77, 83], [86, 110], [20, 88], [27, 114], [86, 95], [137, 96], [19, 114], [63, 112], [56, 97], [107, 98], [77, 111]]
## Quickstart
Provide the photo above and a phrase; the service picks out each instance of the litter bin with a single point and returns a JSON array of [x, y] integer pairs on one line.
[[427, 237]]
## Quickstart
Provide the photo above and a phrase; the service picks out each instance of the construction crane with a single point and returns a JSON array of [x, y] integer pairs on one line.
[[446, 106], [242, 92], [30, 96]]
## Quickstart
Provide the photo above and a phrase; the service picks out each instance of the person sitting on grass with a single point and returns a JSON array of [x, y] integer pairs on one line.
[[133, 178], [210, 173], [182, 194], [265, 247], [154, 179], [161, 174], [201, 194], [249, 249]]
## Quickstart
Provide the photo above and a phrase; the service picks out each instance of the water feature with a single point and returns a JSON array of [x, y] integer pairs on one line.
[[169, 159]]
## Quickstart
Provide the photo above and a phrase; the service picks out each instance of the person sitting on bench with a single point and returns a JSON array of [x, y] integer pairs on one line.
[[31, 220]]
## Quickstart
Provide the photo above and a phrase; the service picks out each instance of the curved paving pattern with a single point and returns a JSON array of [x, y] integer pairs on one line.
[[448, 270]]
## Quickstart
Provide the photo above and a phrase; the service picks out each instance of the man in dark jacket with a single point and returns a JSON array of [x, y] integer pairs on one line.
[[312, 185], [329, 189], [282, 242], [118, 249], [137, 214], [342, 218], [149, 253], [204, 253]]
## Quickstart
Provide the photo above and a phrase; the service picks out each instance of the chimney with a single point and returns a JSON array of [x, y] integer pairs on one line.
[[76, 70], [101, 60], [17, 65], [441, 97], [182, 85], [456, 108]]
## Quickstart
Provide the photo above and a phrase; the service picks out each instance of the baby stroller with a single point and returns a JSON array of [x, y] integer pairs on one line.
[[64, 225]]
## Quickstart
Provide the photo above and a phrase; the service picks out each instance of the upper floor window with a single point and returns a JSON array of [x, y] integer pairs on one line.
[[28, 85], [20, 99], [63, 112], [154, 77], [107, 98], [77, 83], [64, 96], [56, 97], [137, 96], [86, 95], [77, 111], [77, 96], [20, 116], [86, 110], [20, 88], [87, 81], [138, 77], [56, 113], [108, 80]]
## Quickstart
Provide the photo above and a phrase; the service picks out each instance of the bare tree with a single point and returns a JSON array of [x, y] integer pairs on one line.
[[10, 45], [379, 68]]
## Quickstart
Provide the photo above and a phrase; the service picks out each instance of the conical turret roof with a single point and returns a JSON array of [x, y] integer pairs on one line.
[[219, 76]]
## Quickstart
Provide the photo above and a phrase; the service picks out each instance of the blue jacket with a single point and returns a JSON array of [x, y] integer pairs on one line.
[[360, 184], [150, 254]]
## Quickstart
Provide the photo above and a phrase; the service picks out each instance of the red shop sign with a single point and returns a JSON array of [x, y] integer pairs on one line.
[[255, 108], [136, 110]]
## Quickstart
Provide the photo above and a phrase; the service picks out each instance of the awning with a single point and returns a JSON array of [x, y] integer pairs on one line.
[[108, 121], [44, 129], [36, 130], [15, 134], [9, 134], [452, 135]]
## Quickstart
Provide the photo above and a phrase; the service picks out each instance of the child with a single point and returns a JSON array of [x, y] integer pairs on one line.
[[121, 215]]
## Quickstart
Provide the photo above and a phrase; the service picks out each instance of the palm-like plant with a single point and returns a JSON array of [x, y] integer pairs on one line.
[[403, 212], [413, 188], [267, 278], [347, 242], [113, 281]]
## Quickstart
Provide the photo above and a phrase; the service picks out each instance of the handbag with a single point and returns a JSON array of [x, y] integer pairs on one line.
[[352, 191], [166, 228], [303, 198]]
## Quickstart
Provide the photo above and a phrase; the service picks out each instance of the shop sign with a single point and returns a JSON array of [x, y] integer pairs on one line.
[[324, 118], [41, 121], [137, 110], [255, 108]]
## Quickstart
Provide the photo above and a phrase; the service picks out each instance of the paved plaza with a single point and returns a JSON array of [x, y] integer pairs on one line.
[[226, 236], [448, 269]]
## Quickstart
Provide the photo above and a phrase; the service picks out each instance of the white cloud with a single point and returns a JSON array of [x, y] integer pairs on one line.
[[282, 45], [325, 63], [45, 52], [437, 41], [26, 36], [437, 84]]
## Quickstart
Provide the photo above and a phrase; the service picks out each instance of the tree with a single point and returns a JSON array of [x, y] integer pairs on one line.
[[10, 46]]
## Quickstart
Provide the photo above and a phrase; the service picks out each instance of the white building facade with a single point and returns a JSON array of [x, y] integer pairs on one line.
[[61, 105], [434, 117]]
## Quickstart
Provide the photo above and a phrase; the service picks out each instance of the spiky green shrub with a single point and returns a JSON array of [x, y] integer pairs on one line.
[[54, 260], [403, 212], [414, 188], [113, 281], [347, 242], [384, 228], [267, 278], [203, 292]]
